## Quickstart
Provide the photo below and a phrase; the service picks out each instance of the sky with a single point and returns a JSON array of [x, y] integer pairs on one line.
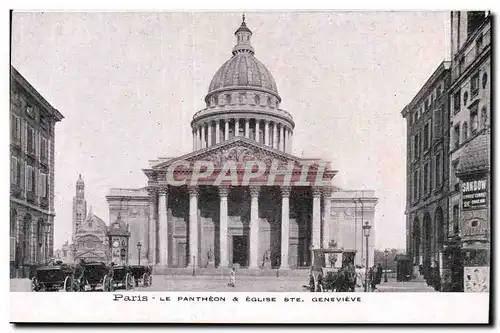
[[129, 83]]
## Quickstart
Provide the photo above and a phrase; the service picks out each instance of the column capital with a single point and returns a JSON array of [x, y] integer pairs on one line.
[[326, 192], [193, 190], [254, 191], [224, 191], [316, 191], [162, 190], [285, 191], [152, 190]]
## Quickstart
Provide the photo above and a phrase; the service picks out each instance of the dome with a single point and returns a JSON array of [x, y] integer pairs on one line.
[[243, 70]]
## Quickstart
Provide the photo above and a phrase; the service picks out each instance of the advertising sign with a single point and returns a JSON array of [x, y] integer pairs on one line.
[[474, 194]]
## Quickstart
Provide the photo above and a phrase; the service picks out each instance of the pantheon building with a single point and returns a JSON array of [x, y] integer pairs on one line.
[[254, 224]]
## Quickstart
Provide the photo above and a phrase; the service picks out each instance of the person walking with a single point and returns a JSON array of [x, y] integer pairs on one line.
[[232, 278], [371, 279], [379, 274]]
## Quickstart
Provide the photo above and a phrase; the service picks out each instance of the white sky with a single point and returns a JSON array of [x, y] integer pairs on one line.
[[129, 83]]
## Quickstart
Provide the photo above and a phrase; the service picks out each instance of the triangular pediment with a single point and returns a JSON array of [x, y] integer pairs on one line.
[[239, 150]]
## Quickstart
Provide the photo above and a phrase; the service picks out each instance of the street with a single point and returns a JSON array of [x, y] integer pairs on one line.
[[243, 284]]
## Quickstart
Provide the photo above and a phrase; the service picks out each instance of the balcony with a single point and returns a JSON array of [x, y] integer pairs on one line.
[[44, 203], [474, 51]]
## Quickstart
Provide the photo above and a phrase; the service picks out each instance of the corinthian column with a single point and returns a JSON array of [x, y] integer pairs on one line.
[[254, 226], [247, 128], [266, 133], [257, 130], [209, 129], [217, 131], [223, 193], [275, 136], [193, 226], [203, 142], [163, 224], [236, 127], [152, 225], [281, 143], [327, 227], [316, 221], [285, 225], [226, 129]]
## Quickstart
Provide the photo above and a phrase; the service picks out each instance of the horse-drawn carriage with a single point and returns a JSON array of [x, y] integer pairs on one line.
[[123, 277], [142, 275], [327, 273], [55, 276], [95, 275]]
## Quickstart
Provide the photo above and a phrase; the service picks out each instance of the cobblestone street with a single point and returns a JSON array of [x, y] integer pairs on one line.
[[243, 284]]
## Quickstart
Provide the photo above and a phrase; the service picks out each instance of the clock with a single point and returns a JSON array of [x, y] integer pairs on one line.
[[116, 243]]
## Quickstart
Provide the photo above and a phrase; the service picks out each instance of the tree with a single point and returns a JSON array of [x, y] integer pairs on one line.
[[379, 258]]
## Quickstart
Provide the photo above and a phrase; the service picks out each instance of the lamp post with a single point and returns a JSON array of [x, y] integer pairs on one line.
[[139, 245], [74, 252], [366, 231], [386, 252]]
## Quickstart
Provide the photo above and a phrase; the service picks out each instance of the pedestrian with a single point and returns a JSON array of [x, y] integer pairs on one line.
[[371, 279], [379, 274], [232, 278], [436, 277]]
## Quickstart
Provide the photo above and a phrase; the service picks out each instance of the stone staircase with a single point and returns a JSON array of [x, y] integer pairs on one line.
[[298, 272]]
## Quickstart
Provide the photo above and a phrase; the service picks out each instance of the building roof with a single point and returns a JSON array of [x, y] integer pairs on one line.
[[15, 75], [243, 69], [475, 156]]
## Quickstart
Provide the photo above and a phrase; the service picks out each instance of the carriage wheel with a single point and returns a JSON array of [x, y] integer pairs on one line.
[[68, 284], [145, 280], [34, 284], [320, 286], [128, 282], [150, 282]]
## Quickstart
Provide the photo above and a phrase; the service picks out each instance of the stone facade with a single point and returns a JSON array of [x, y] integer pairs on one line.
[[470, 103], [427, 117], [32, 139]]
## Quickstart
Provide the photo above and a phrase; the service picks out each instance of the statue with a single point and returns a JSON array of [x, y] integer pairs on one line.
[[210, 257]]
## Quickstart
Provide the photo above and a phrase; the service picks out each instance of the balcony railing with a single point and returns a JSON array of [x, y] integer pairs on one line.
[[470, 56]]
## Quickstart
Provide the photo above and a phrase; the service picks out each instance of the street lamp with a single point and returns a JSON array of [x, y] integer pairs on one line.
[[139, 245], [386, 252], [74, 252], [366, 231]]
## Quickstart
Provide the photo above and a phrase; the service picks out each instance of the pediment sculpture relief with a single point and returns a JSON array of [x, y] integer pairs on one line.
[[241, 155]]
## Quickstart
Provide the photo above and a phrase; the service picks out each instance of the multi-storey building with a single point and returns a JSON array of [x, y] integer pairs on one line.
[[427, 117], [32, 138], [469, 94]]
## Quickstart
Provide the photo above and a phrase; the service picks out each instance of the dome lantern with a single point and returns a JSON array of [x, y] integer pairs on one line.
[[243, 36]]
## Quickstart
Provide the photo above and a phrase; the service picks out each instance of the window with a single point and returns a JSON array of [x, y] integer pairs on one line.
[[465, 131], [485, 80], [426, 178], [437, 171], [415, 185], [13, 170], [43, 185], [455, 219], [44, 149], [474, 121], [228, 99], [474, 85], [257, 100], [78, 216], [16, 128], [416, 145], [30, 175], [439, 91], [437, 123], [461, 65], [484, 117], [456, 136], [456, 101], [466, 97], [427, 135], [31, 140], [474, 20]]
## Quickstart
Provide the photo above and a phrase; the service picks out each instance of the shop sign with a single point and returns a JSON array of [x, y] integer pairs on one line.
[[474, 193]]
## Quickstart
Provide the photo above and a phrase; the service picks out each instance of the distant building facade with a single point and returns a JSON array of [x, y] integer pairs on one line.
[[427, 123], [470, 98], [89, 240], [32, 174]]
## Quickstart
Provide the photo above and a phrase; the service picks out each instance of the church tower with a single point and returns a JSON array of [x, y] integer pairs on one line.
[[79, 206]]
